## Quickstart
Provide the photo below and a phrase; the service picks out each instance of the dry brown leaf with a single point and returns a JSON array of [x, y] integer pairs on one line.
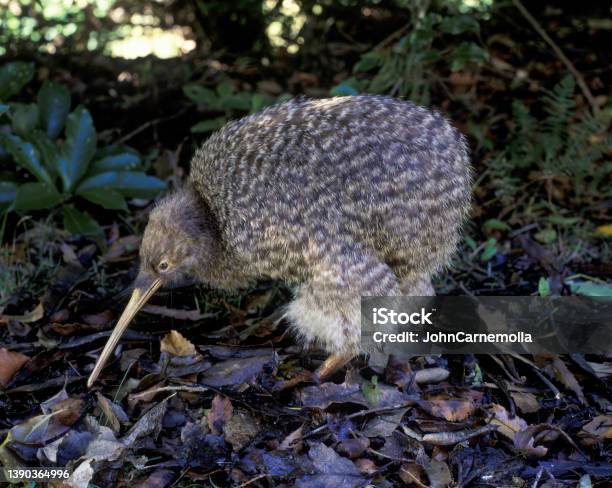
[[121, 248], [174, 343], [431, 375], [366, 466], [526, 402], [105, 405], [293, 440], [507, 426], [10, 363], [558, 369], [451, 410], [524, 441], [36, 314], [219, 414], [596, 430], [413, 474]]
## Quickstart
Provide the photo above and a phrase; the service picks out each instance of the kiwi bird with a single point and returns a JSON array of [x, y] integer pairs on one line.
[[340, 198]]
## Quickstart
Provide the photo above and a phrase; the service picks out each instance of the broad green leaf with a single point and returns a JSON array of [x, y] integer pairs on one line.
[[24, 118], [259, 101], [80, 223], [8, 191], [25, 156], [54, 105], [48, 151], [209, 125], [201, 95], [79, 148], [115, 159], [459, 23], [369, 61], [13, 77], [467, 52], [225, 89], [36, 196], [591, 289], [129, 183], [239, 101], [107, 198]]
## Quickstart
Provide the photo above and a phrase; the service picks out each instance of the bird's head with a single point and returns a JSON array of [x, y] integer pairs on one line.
[[178, 240]]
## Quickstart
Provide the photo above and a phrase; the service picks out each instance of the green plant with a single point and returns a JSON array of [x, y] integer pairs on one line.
[[402, 67], [61, 171], [223, 103], [560, 145]]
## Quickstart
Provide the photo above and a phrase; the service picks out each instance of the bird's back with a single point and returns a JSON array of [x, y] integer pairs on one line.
[[305, 178]]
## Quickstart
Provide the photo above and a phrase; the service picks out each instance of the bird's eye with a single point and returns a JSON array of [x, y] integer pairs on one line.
[[163, 266]]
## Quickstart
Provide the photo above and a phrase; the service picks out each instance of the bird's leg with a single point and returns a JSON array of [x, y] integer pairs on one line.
[[332, 364], [326, 310], [417, 286]]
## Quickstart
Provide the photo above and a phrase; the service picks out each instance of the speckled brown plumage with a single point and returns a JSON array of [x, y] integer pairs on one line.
[[339, 197]]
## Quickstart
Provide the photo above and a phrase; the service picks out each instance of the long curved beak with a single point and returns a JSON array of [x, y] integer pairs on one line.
[[144, 289]]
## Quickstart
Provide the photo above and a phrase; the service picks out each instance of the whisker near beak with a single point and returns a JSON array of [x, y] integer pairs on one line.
[[145, 287]]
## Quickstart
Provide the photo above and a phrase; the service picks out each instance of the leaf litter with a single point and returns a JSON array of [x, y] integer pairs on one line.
[[192, 394]]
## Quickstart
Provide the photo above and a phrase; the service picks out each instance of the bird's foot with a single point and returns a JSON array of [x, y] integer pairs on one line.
[[332, 364]]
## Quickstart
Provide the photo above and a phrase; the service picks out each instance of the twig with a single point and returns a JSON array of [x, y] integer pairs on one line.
[[253, 480], [560, 54], [361, 413], [148, 124]]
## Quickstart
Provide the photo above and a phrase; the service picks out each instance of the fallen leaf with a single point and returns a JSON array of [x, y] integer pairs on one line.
[[220, 412], [234, 372], [384, 424], [556, 368], [98, 319], [81, 476], [322, 396], [40, 430], [431, 375], [148, 425], [32, 316], [293, 440], [174, 343], [354, 447], [596, 430], [525, 401], [524, 442], [10, 363], [160, 478], [507, 426], [331, 470], [241, 429], [451, 410], [413, 474], [366, 466], [121, 247], [105, 405], [438, 473]]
